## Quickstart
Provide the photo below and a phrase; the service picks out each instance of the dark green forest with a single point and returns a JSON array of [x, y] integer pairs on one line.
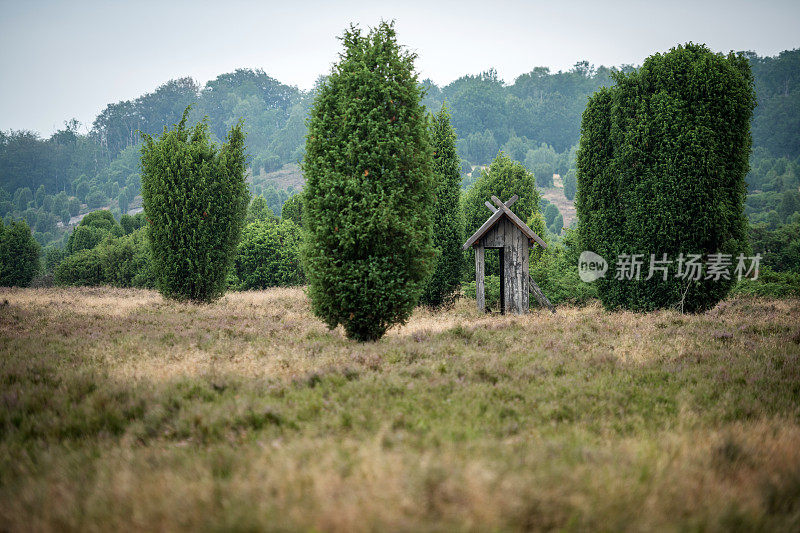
[[50, 182]]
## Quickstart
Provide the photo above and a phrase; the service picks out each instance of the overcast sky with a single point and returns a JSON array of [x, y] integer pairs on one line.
[[60, 60]]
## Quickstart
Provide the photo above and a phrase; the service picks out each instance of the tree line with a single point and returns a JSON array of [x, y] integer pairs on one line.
[[395, 182], [535, 120], [487, 114]]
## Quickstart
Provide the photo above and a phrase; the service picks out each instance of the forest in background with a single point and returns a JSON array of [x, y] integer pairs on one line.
[[51, 182]]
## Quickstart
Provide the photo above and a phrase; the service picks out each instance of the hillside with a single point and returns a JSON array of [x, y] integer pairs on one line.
[[125, 411]]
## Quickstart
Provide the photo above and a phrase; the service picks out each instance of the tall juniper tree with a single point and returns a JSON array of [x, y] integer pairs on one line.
[[195, 199], [661, 166], [368, 243], [448, 219]]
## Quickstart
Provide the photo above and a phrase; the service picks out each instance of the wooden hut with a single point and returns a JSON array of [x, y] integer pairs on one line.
[[512, 237]]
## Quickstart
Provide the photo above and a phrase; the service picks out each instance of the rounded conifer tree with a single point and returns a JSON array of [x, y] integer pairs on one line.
[[448, 220], [661, 167], [367, 200], [195, 199]]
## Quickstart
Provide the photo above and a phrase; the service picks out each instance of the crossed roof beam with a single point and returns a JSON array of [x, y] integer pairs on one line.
[[497, 212], [511, 201]]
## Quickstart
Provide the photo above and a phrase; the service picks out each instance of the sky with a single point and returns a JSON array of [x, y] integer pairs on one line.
[[61, 60]]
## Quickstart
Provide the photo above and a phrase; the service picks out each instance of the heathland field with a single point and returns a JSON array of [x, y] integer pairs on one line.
[[123, 411]]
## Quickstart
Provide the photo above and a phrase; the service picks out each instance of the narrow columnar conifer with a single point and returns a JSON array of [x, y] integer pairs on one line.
[[367, 200], [448, 219]]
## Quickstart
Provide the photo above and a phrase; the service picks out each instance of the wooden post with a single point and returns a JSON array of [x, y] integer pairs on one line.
[[508, 272], [508, 267], [503, 284], [525, 273], [540, 297], [480, 295], [515, 270]]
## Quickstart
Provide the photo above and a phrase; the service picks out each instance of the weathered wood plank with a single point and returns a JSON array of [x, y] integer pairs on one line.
[[493, 238], [519, 223], [511, 201], [489, 222], [480, 295], [519, 239], [486, 225], [515, 272], [525, 274], [503, 282], [509, 250]]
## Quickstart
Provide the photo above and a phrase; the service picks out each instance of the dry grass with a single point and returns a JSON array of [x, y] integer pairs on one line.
[[121, 410], [555, 195], [288, 175]]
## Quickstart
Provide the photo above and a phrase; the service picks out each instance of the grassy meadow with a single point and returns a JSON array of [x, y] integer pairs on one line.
[[123, 411]]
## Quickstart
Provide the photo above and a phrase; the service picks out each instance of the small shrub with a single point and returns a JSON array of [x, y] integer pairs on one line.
[[269, 255], [491, 291], [85, 238], [132, 223], [769, 284], [81, 268], [570, 184], [53, 255], [556, 273], [126, 261], [102, 219], [19, 255], [259, 211], [293, 209], [96, 199]]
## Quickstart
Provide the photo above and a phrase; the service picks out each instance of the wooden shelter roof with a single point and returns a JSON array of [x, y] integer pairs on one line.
[[501, 211]]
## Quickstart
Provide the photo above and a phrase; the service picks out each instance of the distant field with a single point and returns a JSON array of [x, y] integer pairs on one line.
[[122, 411], [555, 195], [288, 175]]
